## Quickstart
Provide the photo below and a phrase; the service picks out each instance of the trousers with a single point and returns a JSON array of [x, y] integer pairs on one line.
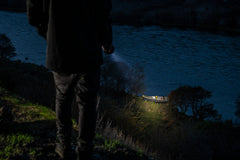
[[82, 87]]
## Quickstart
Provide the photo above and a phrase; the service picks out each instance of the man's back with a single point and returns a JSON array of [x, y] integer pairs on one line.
[[76, 26]]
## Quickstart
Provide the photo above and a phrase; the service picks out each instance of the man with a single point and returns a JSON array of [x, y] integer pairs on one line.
[[76, 31]]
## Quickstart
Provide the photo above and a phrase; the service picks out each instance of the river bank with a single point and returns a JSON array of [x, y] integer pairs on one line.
[[198, 14], [207, 15]]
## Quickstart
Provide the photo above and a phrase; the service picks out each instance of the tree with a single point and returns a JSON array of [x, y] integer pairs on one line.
[[194, 98], [179, 99], [7, 50], [135, 80], [122, 78]]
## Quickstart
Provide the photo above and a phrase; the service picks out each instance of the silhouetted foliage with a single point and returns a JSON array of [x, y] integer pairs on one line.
[[179, 99], [121, 78], [136, 79], [194, 98], [237, 113], [7, 50]]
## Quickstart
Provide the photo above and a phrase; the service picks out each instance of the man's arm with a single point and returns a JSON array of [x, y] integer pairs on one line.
[[37, 12]]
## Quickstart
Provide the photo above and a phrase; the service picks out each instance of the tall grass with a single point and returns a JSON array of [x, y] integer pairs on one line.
[[14, 144], [166, 135]]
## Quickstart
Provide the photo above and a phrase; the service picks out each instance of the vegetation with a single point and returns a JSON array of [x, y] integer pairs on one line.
[[14, 144], [118, 77], [29, 81], [150, 128], [156, 128], [31, 134], [194, 98], [25, 134]]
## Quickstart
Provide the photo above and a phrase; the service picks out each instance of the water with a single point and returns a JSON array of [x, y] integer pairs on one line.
[[170, 57], [174, 57], [24, 37]]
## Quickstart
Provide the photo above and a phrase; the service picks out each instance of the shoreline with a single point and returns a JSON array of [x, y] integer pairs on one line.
[[211, 30], [141, 21]]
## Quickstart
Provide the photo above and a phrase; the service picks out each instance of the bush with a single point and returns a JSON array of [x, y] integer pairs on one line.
[[118, 77], [194, 98], [7, 50]]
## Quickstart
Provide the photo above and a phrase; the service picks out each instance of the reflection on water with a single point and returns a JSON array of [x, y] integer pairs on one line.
[[170, 57]]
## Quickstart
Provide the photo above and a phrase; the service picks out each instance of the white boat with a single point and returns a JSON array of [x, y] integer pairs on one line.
[[157, 99]]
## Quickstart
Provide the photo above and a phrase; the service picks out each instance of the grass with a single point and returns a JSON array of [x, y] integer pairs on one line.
[[27, 95], [29, 81], [108, 143], [29, 110], [111, 144], [18, 139], [168, 135], [31, 135], [137, 117], [15, 144]]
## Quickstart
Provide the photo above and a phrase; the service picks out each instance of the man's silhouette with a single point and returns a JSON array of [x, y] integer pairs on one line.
[[76, 32]]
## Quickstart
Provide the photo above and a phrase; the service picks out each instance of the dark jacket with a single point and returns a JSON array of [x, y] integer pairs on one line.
[[75, 30]]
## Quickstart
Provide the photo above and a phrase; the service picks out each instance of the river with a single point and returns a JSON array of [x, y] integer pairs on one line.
[[170, 57]]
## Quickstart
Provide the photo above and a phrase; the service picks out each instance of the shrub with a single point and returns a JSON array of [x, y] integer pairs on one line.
[[194, 98], [118, 77]]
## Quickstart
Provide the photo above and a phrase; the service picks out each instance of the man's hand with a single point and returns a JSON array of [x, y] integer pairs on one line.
[[108, 49]]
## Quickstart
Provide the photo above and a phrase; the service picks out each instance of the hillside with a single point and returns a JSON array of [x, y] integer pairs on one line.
[[27, 131], [128, 128]]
